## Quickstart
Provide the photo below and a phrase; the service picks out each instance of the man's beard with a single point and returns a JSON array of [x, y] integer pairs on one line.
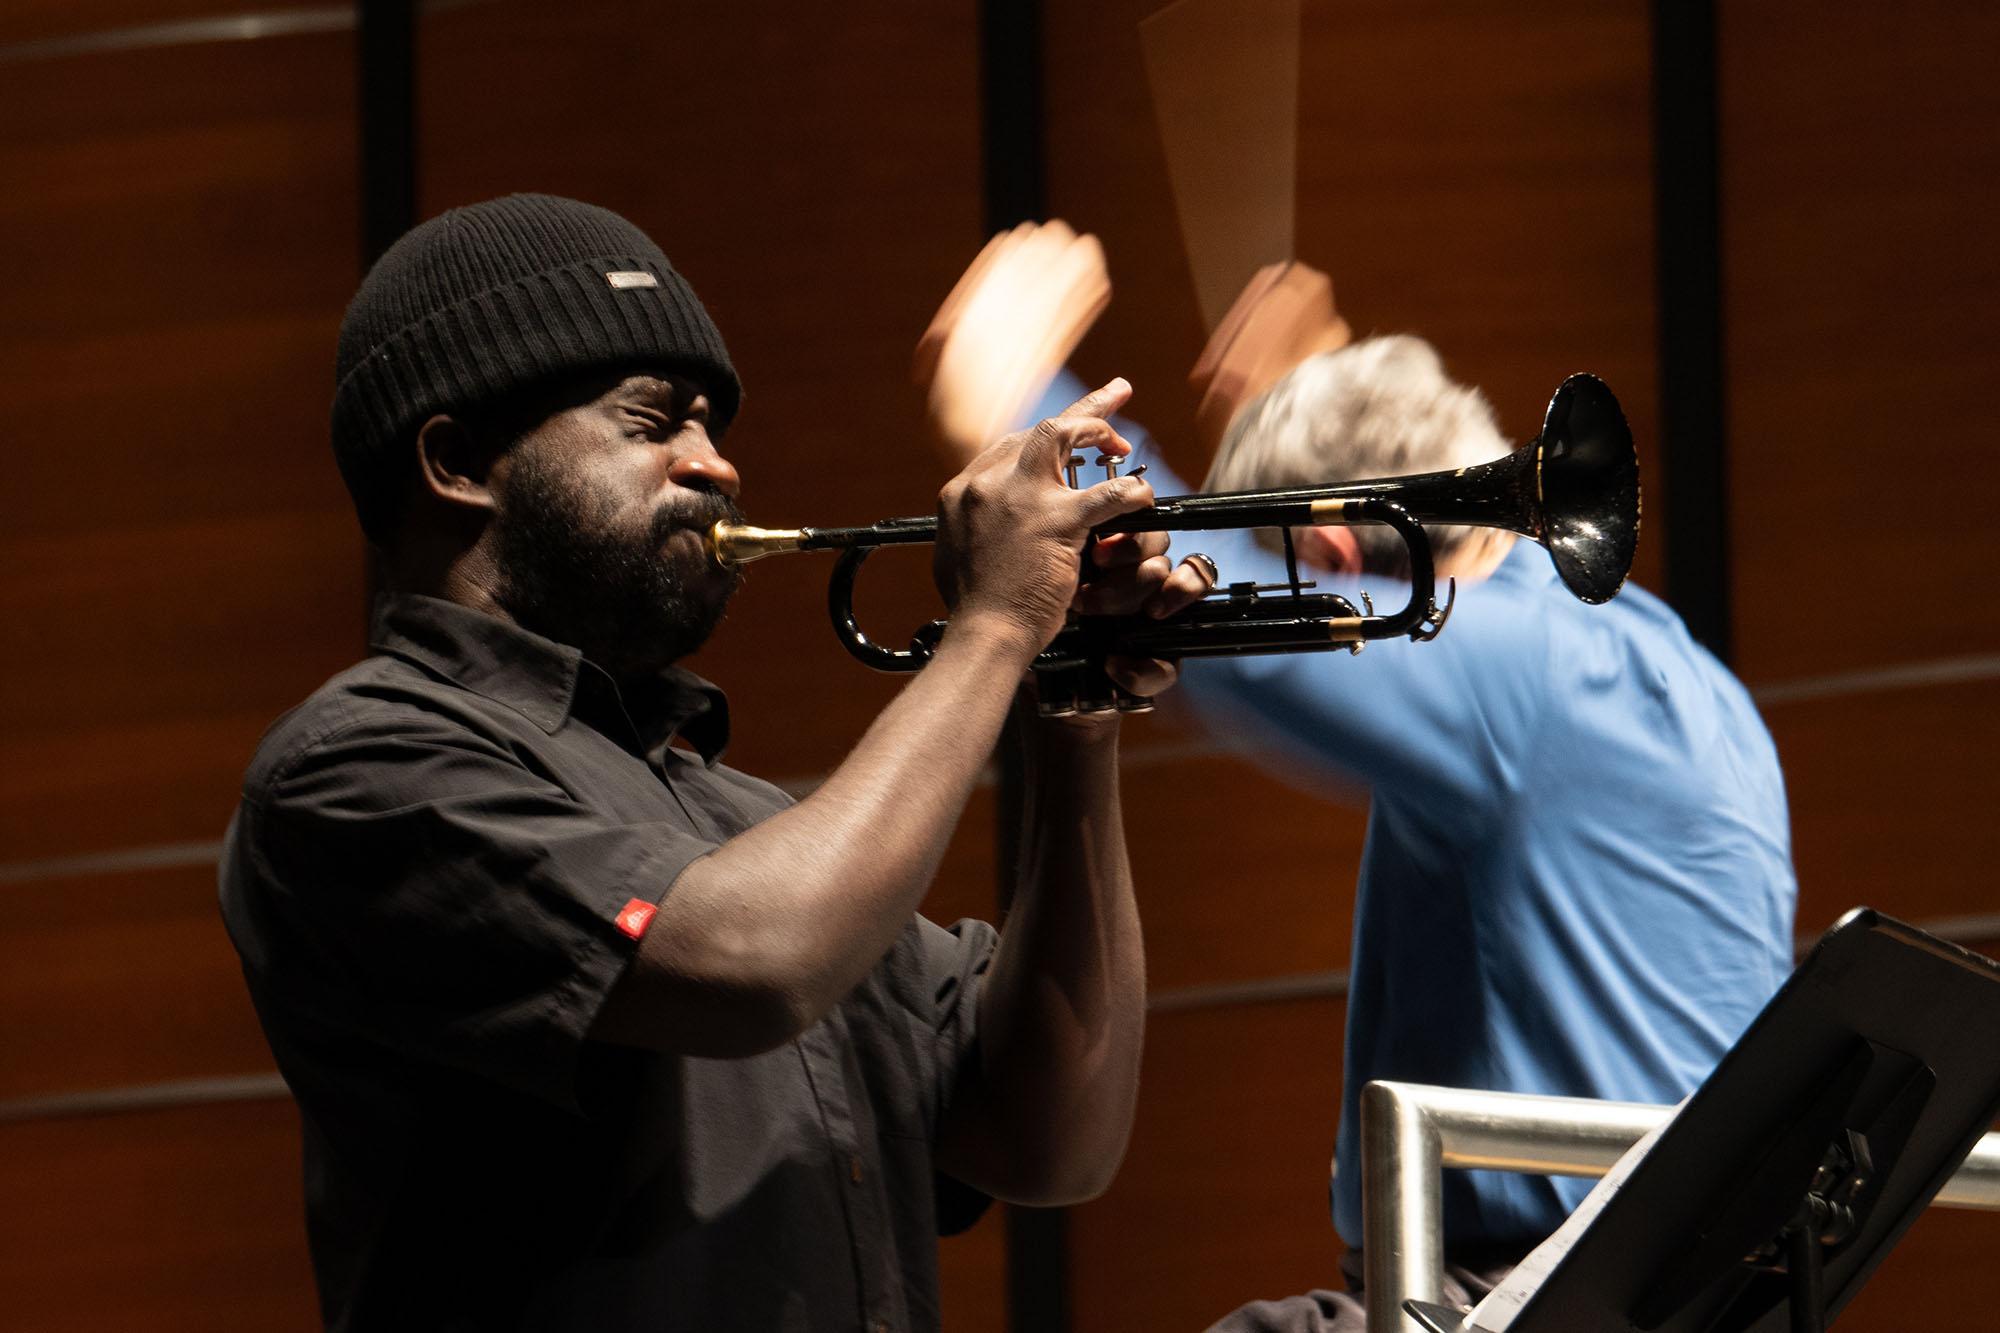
[[568, 573]]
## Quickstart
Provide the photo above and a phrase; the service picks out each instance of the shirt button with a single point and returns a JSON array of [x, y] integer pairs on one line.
[[854, 1174]]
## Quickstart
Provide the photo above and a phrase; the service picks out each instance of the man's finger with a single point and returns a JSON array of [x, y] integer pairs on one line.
[[1193, 578], [1108, 499], [1052, 440], [1127, 549], [1119, 550], [1125, 592], [1146, 676], [1103, 400]]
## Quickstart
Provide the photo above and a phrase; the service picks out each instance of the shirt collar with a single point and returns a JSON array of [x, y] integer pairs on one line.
[[538, 677], [676, 705]]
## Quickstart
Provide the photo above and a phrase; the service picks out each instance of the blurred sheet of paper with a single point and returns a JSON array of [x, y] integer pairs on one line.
[[1225, 81]]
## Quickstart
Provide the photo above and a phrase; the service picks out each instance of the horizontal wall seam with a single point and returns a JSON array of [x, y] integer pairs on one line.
[[1330, 984], [253, 26], [145, 1097], [185, 32], [159, 856], [1911, 675], [1976, 928]]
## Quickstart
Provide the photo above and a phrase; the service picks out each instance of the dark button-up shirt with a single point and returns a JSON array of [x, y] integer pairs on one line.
[[439, 868]]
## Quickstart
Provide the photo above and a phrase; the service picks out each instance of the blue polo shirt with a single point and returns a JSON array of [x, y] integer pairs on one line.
[[1577, 877]]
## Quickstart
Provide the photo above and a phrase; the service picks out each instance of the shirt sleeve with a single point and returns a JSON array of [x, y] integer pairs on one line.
[[424, 891], [949, 968]]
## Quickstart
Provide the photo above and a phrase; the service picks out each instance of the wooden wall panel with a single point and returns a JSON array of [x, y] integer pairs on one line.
[[972, 1275], [1483, 176], [177, 566], [1478, 176], [114, 980], [178, 562], [1923, 1280], [1891, 796], [186, 1219], [1860, 168], [967, 881], [1240, 877], [1861, 173], [1223, 1195], [1108, 175], [817, 180]]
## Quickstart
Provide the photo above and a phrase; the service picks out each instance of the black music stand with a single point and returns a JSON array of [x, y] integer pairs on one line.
[[1822, 1134]]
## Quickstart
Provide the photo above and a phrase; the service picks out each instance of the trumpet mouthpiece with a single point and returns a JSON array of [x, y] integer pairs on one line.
[[739, 543]]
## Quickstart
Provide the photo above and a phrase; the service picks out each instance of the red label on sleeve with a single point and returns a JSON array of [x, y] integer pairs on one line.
[[636, 917]]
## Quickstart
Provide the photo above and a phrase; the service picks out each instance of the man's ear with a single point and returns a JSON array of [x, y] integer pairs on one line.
[[452, 463], [1332, 548]]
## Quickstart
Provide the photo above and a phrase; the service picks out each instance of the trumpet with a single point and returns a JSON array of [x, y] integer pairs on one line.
[[1574, 489]]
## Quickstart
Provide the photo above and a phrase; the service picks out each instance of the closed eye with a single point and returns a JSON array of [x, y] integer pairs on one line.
[[648, 422]]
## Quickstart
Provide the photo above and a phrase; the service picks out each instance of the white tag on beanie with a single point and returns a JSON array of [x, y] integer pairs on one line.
[[632, 279]]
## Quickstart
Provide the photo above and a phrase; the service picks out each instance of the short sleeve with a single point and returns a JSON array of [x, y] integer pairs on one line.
[[943, 971], [427, 893], [935, 975]]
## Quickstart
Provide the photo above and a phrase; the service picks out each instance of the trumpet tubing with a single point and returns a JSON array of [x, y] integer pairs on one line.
[[1574, 488]]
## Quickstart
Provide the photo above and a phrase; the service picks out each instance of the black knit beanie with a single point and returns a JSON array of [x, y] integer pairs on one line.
[[485, 300]]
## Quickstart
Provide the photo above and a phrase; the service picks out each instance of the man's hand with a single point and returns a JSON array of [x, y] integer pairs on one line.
[[1284, 315], [1011, 531], [1134, 575], [1008, 326]]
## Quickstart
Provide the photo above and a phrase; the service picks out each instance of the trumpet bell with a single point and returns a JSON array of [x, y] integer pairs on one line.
[[1587, 479]]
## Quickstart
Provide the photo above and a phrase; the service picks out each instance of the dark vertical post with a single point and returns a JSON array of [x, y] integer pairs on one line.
[[1010, 99], [1010, 103], [1686, 170], [385, 57]]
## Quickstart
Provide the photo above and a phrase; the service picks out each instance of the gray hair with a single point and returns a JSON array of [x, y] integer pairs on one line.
[[1381, 407]]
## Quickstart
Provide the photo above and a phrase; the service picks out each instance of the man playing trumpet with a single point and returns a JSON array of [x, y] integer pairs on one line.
[[588, 1030]]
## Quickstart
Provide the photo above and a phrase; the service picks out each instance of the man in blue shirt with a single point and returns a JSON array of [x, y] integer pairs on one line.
[[1577, 877]]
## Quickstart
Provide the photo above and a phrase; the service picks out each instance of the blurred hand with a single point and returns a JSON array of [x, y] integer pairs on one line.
[[1006, 329], [1284, 315]]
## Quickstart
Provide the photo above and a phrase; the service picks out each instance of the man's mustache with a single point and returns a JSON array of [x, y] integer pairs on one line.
[[700, 511]]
